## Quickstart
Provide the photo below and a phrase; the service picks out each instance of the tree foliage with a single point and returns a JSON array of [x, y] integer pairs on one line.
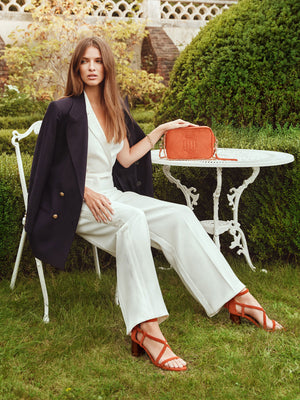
[[242, 68], [39, 57]]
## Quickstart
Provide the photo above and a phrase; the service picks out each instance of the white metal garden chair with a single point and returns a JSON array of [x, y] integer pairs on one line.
[[34, 128]]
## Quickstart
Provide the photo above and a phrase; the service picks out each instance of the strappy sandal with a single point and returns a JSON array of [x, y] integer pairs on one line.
[[235, 316], [137, 348]]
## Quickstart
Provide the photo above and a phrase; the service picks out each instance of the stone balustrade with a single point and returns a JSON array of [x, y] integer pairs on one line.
[[188, 10]]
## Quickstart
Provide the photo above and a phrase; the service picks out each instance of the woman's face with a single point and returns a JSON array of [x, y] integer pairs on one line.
[[91, 67]]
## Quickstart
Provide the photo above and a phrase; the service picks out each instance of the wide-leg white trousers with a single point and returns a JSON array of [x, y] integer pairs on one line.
[[140, 221]]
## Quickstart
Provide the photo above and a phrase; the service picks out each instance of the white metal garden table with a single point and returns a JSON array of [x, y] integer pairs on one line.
[[245, 159]]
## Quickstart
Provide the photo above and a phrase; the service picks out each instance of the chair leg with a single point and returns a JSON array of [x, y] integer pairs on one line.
[[96, 260], [40, 270], [18, 259], [40, 273]]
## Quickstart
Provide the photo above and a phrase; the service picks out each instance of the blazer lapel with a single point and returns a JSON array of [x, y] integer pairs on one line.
[[77, 138]]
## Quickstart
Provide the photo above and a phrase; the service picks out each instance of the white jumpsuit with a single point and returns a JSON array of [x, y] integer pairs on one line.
[[139, 221]]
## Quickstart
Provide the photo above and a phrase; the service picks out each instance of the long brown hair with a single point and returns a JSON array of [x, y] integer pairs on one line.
[[110, 95]]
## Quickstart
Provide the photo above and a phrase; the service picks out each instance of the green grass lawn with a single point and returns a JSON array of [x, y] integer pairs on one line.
[[84, 354]]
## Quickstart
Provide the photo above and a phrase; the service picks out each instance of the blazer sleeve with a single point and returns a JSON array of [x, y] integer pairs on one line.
[[41, 164]]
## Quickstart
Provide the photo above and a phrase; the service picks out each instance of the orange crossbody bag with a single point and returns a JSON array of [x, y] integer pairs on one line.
[[190, 143]]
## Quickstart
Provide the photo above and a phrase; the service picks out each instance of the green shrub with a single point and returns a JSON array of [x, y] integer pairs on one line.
[[11, 209], [19, 121], [15, 104], [19, 111], [242, 68], [26, 146], [140, 114]]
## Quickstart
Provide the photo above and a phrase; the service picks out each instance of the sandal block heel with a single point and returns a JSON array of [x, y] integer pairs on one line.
[[235, 319], [136, 349]]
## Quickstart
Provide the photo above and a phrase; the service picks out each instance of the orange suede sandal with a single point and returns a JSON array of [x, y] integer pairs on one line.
[[235, 316], [137, 348]]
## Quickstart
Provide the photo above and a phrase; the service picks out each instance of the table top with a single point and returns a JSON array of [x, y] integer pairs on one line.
[[245, 158]]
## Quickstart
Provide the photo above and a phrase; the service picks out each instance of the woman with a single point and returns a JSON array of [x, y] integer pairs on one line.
[[72, 191]]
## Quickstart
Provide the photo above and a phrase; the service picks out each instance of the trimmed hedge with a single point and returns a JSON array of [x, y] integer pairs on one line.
[[11, 209], [19, 121], [269, 209], [14, 103], [242, 68], [19, 111], [26, 146]]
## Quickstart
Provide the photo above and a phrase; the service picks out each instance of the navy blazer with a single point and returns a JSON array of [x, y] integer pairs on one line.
[[57, 180]]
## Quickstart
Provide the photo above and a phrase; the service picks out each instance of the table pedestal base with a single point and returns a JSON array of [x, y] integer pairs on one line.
[[239, 239]]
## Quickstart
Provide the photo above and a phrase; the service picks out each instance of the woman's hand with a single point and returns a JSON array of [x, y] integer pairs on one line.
[[99, 205], [178, 123]]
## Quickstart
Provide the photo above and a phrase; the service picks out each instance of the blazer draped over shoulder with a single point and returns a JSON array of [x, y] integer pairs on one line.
[[57, 179]]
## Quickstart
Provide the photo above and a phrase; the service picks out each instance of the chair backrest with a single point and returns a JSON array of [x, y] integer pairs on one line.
[[34, 128]]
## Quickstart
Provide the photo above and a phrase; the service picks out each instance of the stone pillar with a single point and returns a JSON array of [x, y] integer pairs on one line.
[[158, 53], [152, 12]]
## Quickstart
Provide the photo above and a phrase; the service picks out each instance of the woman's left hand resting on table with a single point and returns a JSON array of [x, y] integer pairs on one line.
[[128, 155]]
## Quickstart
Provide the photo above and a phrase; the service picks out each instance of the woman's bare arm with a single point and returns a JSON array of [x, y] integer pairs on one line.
[[128, 155]]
